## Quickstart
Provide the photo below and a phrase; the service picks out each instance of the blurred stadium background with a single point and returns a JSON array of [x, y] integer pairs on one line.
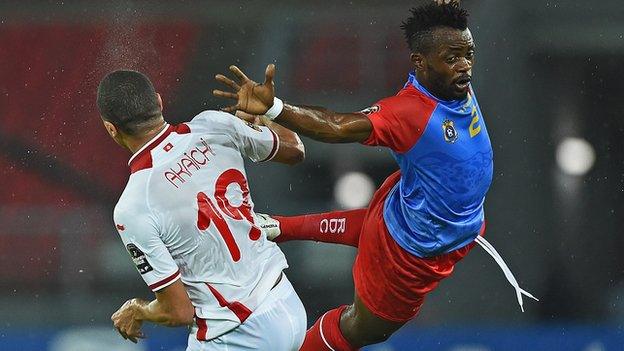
[[550, 81]]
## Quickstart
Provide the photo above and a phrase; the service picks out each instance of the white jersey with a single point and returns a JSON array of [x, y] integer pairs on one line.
[[186, 213]]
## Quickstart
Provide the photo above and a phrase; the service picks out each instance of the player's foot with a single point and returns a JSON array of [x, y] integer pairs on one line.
[[269, 225]]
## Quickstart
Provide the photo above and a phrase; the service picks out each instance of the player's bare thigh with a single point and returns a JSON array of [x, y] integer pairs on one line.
[[361, 327]]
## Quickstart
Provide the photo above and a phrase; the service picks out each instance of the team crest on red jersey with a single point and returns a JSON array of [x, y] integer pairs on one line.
[[450, 133], [371, 110]]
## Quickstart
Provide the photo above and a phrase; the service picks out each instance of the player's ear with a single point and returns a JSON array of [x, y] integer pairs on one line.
[[418, 60], [111, 129], [160, 103]]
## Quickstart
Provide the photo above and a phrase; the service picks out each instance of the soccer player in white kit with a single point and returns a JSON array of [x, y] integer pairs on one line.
[[186, 218]]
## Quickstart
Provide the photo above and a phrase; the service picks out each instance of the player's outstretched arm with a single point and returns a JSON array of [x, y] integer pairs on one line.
[[314, 122], [172, 307], [291, 149]]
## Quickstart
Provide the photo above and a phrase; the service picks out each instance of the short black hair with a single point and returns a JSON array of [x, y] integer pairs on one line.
[[418, 28], [128, 100]]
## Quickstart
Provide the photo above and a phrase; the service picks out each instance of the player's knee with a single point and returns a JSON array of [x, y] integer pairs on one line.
[[360, 330], [361, 339], [374, 338]]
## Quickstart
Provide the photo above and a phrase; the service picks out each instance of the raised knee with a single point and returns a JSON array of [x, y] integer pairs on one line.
[[359, 331], [377, 338], [363, 339]]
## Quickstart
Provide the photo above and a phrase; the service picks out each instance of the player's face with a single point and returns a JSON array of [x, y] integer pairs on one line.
[[448, 65]]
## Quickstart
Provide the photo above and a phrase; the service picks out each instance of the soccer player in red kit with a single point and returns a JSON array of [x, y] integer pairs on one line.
[[426, 216]]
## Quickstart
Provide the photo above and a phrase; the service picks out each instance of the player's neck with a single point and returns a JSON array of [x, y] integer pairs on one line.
[[135, 144], [429, 86]]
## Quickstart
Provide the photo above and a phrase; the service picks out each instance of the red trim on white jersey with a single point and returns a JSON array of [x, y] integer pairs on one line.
[[241, 311], [165, 282], [202, 328], [182, 128], [274, 148], [142, 159]]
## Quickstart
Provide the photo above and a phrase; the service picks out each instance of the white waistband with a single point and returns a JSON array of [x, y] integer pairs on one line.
[[510, 277]]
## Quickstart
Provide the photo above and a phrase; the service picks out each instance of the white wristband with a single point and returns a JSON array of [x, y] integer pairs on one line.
[[275, 110]]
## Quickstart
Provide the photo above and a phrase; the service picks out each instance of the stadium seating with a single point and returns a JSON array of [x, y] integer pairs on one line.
[[48, 117]]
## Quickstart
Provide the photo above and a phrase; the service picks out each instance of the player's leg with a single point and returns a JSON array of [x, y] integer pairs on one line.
[[362, 327], [348, 328], [289, 318], [390, 289], [337, 227], [278, 324]]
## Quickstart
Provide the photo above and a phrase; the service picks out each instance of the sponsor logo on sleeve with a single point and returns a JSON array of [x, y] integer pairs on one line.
[[139, 259]]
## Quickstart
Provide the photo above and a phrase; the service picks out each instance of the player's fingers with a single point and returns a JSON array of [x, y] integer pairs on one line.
[[245, 116], [135, 336], [269, 73], [227, 81], [138, 335], [123, 335], [230, 109], [238, 73], [224, 94]]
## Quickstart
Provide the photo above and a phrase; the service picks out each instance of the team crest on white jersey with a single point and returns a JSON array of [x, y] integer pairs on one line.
[[450, 133]]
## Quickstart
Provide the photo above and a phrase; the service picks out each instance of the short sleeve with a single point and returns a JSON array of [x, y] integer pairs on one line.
[[259, 143], [398, 122], [140, 236]]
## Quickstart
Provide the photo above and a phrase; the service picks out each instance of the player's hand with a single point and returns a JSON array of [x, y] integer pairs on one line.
[[126, 323], [253, 119], [250, 96]]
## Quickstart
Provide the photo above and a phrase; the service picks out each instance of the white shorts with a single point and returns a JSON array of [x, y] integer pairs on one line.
[[278, 324]]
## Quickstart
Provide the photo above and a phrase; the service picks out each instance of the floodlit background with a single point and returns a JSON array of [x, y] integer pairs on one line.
[[550, 82]]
